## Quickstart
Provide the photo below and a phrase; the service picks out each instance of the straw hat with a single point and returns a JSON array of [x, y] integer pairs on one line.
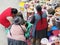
[[30, 9], [31, 3], [57, 14], [57, 9], [51, 11]]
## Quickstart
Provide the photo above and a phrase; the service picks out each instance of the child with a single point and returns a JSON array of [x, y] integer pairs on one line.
[[16, 34]]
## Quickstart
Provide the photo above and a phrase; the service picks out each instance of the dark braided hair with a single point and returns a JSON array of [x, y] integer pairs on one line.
[[39, 9]]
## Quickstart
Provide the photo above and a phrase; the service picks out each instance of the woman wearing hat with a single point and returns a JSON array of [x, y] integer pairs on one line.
[[16, 34]]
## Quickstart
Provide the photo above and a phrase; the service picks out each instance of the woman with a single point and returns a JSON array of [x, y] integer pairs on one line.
[[40, 25], [16, 34]]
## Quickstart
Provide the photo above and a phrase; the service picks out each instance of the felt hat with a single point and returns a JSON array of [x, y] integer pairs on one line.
[[18, 20]]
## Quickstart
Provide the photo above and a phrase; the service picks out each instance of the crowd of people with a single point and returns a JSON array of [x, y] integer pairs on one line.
[[41, 27]]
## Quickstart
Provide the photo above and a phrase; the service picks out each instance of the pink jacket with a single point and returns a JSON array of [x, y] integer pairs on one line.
[[17, 33]]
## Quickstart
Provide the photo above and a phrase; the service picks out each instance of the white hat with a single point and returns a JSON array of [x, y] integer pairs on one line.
[[53, 39], [44, 41]]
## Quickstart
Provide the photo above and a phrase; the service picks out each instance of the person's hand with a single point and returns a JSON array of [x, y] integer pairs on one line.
[[49, 27], [10, 19]]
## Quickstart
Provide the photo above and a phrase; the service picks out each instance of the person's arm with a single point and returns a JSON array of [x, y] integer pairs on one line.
[[10, 19], [23, 28], [33, 20]]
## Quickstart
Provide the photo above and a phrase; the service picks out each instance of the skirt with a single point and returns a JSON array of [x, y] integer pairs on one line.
[[16, 42], [41, 34]]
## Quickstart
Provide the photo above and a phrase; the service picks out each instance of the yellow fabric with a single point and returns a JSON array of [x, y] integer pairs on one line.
[[21, 4]]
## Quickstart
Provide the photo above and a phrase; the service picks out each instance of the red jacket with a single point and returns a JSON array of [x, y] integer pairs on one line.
[[3, 17]]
